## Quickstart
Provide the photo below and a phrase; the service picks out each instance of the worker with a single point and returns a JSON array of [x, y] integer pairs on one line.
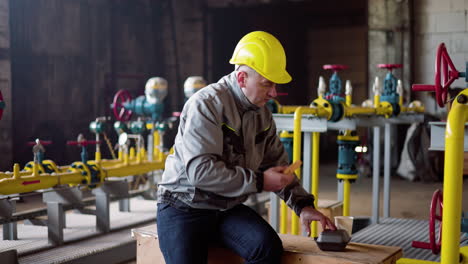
[[226, 149]]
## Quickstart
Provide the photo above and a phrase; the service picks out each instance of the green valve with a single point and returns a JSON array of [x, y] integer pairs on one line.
[[97, 127], [162, 127], [138, 127], [120, 127]]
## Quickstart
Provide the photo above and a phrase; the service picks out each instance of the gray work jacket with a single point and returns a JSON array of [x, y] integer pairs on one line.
[[223, 145]]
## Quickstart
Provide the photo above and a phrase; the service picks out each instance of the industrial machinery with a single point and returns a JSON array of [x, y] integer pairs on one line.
[[192, 85], [151, 104], [451, 217], [338, 111], [390, 93]]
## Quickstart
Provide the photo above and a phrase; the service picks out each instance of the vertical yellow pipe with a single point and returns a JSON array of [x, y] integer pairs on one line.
[[156, 142], [35, 169], [297, 145], [376, 100], [283, 217], [348, 100], [97, 157], [453, 179], [120, 155], [125, 158], [16, 171], [315, 176], [346, 196], [132, 153]]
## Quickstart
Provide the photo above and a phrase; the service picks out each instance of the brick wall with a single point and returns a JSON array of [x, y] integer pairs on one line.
[[6, 144], [436, 22]]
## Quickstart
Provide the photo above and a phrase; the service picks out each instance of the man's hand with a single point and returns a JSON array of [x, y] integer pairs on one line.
[[309, 214], [274, 179]]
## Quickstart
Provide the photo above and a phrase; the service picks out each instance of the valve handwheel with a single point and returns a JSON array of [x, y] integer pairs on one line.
[[389, 66], [121, 97], [433, 244], [443, 62], [335, 67]]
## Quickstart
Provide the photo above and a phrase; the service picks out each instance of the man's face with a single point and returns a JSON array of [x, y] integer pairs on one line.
[[256, 88]]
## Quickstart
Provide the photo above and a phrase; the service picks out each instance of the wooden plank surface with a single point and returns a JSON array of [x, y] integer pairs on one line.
[[354, 252], [298, 250]]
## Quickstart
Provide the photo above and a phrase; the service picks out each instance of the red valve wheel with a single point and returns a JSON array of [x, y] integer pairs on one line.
[[335, 67], [83, 143], [43, 142], [433, 245], [443, 62], [2, 105], [121, 97], [390, 66]]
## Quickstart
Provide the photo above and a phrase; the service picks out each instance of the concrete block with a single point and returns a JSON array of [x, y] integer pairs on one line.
[[431, 6], [425, 23], [457, 5], [458, 43], [451, 22], [458, 60]]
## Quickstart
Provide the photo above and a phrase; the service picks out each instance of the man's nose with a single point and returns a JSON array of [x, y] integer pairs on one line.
[[272, 93]]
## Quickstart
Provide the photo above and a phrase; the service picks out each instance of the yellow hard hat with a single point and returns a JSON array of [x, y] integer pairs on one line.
[[264, 53]]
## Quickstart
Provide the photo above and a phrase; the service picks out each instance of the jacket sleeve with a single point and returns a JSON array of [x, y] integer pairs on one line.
[[201, 153], [295, 196]]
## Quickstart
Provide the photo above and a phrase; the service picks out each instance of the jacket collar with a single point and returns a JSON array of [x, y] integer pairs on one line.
[[241, 100]]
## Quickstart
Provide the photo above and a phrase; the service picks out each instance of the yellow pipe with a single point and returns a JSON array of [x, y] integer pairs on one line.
[[16, 170], [97, 156], [417, 109], [289, 109], [376, 100], [132, 169], [346, 197], [132, 153], [125, 159], [33, 183], [315, 176], [35, 169], [346, 190], [297, 149], [111, 162], [414, 261], [283, 217], [120, 155], [348, 100], [156, 142], [464, 252], [358, 110], [453, 181], [297, 146]]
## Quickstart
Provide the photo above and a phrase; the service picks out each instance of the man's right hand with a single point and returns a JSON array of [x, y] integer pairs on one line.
[[274, 179]]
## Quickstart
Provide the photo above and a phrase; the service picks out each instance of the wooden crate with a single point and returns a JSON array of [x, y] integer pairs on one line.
[[297, 250]]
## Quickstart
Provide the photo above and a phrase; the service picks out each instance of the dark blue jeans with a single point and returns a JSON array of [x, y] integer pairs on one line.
[[185, 234]]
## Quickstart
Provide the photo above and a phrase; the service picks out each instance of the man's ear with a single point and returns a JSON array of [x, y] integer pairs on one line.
[[241, 78]]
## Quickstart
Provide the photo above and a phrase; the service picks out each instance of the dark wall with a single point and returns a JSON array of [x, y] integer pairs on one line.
[[294, 24], [68, 59]]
